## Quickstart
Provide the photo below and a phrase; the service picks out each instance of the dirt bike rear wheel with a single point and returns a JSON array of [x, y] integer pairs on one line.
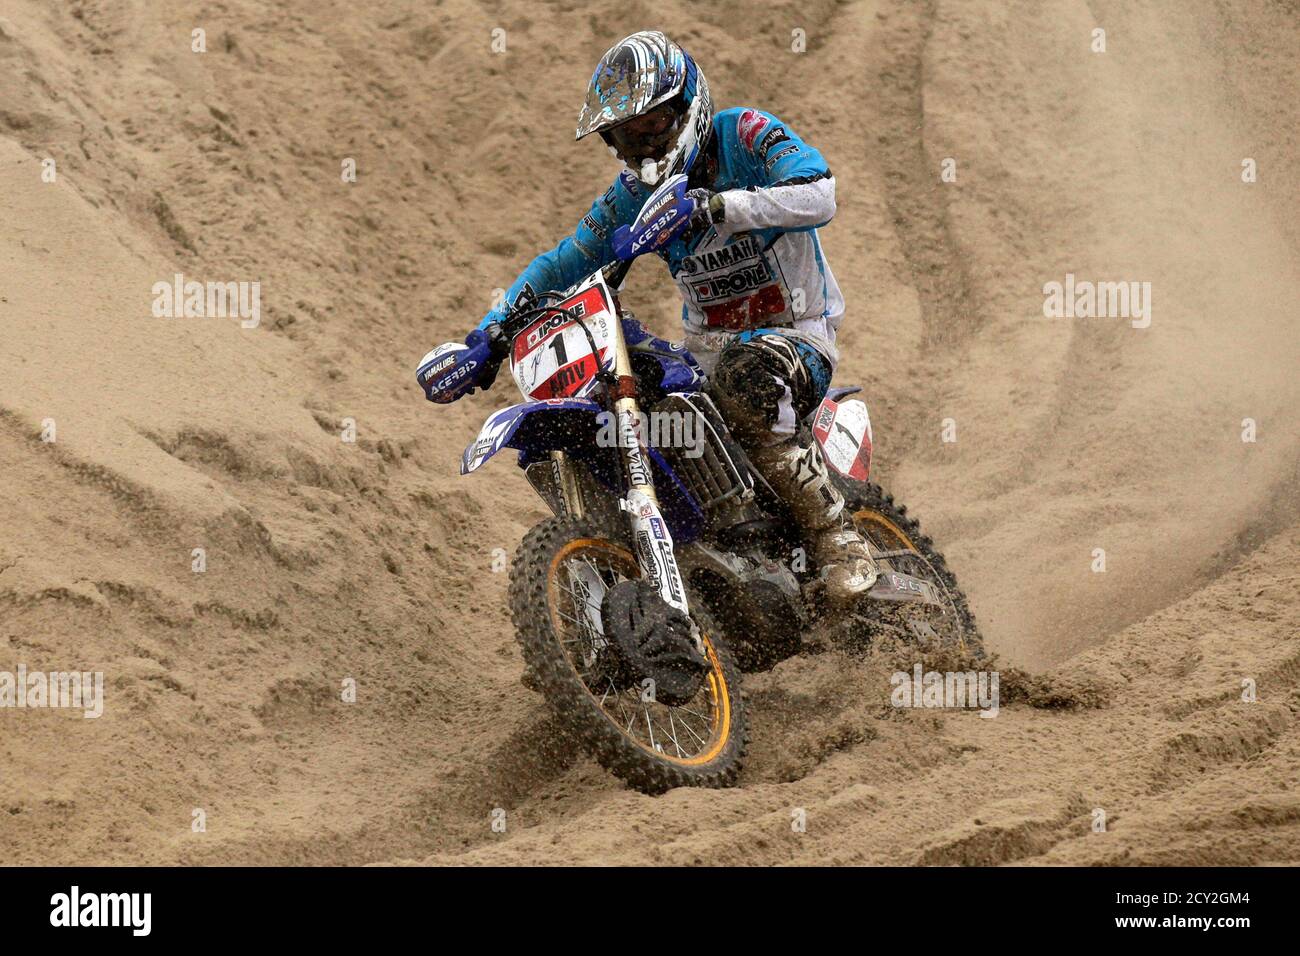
[[562, 569], [896, 538]]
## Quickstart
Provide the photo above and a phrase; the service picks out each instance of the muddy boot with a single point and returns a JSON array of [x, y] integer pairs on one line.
[[799, 476]]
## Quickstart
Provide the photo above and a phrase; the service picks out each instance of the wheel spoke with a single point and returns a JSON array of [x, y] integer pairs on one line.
[[691, 731], [672, 724], [693, 713]]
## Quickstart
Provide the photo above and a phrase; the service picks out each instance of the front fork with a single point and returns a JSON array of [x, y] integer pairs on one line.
[[650, 535]]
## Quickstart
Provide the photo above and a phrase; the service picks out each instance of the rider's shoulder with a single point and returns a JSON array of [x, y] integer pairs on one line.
[[743, 126], [616, 204], [626, 183], [625, 188]]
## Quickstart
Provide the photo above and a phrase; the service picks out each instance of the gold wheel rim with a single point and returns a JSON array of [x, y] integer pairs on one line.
[[876, 518], [718, 719]]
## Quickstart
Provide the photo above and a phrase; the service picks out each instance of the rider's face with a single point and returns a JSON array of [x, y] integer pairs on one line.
[[647, 136]]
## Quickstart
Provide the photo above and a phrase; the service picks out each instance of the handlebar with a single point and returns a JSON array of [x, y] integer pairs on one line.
[[516, 321]]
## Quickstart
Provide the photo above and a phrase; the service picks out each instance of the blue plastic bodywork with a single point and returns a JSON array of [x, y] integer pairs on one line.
[[571, 425]]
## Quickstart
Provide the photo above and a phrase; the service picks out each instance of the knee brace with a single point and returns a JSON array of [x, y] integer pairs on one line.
[[751, 378]]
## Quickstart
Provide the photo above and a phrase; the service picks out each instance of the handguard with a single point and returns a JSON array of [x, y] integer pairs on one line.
[[454, 370]]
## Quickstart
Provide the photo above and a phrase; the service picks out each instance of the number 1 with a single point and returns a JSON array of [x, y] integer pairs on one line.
[[561, 356]]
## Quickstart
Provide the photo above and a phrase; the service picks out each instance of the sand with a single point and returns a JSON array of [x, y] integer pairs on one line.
[[328, 561]]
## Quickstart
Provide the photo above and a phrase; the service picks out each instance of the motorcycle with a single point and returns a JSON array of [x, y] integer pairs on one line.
[[669, 568]]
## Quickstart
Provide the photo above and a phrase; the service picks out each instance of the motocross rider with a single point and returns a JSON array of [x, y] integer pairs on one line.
[[760, 303]]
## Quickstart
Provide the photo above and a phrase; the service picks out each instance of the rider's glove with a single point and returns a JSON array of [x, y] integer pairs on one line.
[[710, 208], [498, 346], [497, 340]]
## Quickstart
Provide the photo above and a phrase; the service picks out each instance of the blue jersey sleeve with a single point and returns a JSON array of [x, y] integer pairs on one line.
[[790, 160], [580, 254]]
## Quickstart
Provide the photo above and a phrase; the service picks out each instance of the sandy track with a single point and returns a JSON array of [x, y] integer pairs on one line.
[[372, 560]]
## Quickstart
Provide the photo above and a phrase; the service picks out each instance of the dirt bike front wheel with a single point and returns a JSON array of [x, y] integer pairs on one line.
[[558, 581]]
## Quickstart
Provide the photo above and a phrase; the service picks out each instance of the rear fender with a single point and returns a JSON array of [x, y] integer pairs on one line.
[[843, 429]]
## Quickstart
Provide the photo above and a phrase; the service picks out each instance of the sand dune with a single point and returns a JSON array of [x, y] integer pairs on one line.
[[338, 542]]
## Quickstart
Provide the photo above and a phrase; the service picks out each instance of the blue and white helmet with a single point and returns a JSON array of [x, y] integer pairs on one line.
[[650, 103]]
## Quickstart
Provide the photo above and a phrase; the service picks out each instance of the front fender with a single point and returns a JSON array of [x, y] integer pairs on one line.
[[563, 423]]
